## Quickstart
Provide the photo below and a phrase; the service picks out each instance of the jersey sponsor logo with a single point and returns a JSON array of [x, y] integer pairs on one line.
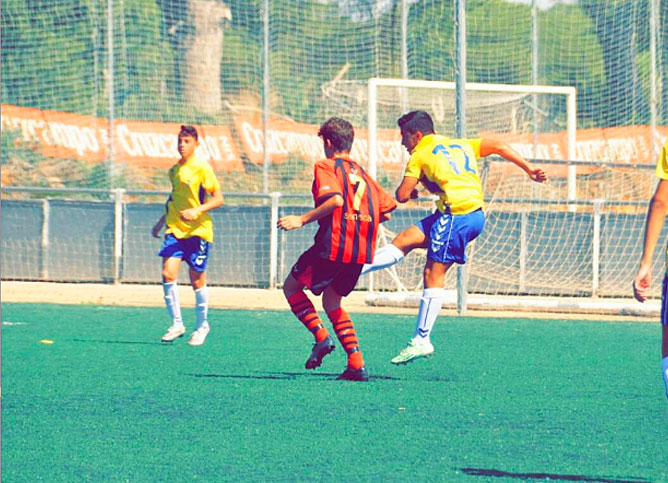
[[358, 217]]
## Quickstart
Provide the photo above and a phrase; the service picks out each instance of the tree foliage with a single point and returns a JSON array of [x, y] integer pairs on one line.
[[54, 53]]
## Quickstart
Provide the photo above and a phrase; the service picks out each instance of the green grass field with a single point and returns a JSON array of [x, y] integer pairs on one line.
[[501, 400]]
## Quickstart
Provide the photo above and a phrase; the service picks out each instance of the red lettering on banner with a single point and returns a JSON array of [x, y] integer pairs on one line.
[[136, 143], [287, 138], [153, 144]]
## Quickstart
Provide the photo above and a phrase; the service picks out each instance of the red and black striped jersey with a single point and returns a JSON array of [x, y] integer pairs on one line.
[[348, 234]]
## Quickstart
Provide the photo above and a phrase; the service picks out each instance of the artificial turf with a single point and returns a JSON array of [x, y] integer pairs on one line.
[[501, 400]]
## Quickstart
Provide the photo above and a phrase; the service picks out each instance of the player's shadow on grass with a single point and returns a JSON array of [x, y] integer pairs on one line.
[[283, 376], [129, 342], [489, 472]]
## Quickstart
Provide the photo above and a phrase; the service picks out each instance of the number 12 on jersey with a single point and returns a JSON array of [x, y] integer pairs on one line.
[[455, 164]]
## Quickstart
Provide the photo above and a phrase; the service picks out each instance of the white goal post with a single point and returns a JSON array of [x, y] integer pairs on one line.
[[567, 246], [375, 83]]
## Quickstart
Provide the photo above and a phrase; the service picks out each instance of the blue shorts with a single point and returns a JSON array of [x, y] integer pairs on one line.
[[664, 302], [193, 250], [450, 234]]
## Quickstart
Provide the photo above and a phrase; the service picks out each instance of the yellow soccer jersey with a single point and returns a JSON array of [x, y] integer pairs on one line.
[[662, 164], [191, 181], [662, 173], [448, 168]]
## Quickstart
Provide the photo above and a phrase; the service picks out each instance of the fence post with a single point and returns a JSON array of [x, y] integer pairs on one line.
[[266, 86], [571, 108], [654, 78], [44, 265], [524, 221], [118, 233], [404, 54], [596, 248], [111, 171], [460, 122], [273, 239]]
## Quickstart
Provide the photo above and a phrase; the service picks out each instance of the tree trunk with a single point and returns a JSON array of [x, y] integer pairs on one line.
[[204, 51]]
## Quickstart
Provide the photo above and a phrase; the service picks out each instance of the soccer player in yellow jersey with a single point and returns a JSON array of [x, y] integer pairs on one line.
[[447, 168], [189, 234], [658, 206]]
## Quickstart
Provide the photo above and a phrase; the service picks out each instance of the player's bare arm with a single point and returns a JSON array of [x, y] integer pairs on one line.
[[407, 190], [155, 231], [215, 200], [292, 222], [492, 146], [656, 214], [411, 237]]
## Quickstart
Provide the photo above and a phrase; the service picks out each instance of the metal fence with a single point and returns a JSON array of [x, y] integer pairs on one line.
[[107, 239]]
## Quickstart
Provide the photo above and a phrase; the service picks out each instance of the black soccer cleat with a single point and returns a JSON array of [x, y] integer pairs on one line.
[[319, 351], [361, 375]]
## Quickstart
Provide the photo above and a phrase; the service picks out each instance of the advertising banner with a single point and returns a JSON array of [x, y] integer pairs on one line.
[[137, 143], [153, 144]]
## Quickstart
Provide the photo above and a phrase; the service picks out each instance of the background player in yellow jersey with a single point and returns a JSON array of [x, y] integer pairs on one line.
[[658, 206], [448, 168], [189, 234]]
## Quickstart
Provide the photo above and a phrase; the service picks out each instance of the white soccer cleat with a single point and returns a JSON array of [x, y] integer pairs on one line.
[[174, 332], [199, 336], [412, 352]]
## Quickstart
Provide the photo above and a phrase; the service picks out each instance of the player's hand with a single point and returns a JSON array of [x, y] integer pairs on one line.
[[189, 215], [290, 222], [415, 194], [642, 283], [538, 175]]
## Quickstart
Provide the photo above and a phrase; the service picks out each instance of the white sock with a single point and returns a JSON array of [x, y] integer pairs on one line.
[[664, 371], [384, 257], [430, 305], [171, 291], [202, 306]]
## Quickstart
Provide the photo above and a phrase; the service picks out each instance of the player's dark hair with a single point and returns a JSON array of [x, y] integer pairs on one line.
[[188, 131], [340, 133], [416, 121]]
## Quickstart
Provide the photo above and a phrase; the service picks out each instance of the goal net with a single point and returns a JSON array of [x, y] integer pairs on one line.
[[571, 244]]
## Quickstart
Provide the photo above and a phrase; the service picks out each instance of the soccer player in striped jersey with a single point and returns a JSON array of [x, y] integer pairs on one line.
[[189, 234], [656, 215], [349, 207], [447, 168]]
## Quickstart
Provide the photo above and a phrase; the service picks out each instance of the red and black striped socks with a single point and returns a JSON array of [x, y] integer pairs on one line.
[[345, 331], [304, 310]]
